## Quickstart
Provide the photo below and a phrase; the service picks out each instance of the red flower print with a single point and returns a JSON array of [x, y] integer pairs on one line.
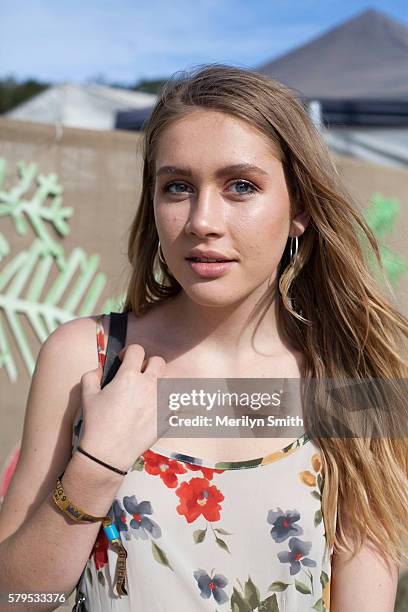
[[100, 550], [100, 343], [207, 472], [199, 497], [164, 466]]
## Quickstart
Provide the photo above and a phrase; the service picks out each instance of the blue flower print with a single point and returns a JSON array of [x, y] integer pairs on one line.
[[118, 516], [283, 524], [214, 586], [297, 555], [141, 526]]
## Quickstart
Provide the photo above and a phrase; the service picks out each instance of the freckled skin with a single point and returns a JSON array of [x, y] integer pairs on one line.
[[210, 212]]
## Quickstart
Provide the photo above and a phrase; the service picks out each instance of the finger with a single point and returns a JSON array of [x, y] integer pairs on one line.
[[132, 357], [155, 365], [91, 381]]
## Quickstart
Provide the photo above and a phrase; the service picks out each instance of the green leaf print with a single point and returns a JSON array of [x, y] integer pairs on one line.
[[319, 606], [278, 586], [238, 603], [89, 575], [318, 517], [220, 541], [324, 579], [199, 535], [310, 576], [316, 494], [302, 587], [269, 605], [320, 482], [222, 544], [252, 594], [159, 555], [138, 464], [101, 578]]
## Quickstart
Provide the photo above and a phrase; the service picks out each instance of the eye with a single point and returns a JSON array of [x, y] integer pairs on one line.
[[243, 187], [178, 187], [176, 184]]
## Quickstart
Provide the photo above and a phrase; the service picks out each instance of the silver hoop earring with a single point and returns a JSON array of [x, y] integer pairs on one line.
[[160, 254], [293, 239]]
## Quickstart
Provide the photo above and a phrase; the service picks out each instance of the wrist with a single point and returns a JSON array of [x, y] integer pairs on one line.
[[108, 466], [104, 453], [89, 485]]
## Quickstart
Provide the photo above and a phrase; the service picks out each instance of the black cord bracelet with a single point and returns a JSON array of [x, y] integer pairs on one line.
[[110, 467]]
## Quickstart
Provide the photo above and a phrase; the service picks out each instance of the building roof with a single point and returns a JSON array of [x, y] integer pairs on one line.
[[365, 57], [83, 106]]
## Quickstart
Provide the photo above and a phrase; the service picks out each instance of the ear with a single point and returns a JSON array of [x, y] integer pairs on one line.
[[299, 222]]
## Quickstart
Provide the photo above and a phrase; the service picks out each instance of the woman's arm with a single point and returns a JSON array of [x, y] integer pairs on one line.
[[48, 552], [367, 583], [41, 550]]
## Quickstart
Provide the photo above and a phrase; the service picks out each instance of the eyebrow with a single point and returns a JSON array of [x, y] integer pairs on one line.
[[219, 173]]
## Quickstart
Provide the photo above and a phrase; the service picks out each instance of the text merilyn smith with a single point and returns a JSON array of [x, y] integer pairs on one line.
[[244, 421]]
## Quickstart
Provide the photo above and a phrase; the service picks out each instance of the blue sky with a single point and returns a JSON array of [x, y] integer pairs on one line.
[[126, 40]]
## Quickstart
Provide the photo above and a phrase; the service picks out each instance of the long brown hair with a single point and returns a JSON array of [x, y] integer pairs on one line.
[[341, 321]]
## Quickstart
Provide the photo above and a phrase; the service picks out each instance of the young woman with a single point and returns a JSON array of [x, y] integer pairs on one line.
[[233, 170]]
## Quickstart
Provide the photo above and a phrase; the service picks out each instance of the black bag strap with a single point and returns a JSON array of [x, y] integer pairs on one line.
[[116, 341]]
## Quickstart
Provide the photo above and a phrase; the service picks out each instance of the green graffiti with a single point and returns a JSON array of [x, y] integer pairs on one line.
[[381, 216], [26, 295]]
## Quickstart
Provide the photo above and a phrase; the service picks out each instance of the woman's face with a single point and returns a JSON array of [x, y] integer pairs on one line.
[[219, 186]]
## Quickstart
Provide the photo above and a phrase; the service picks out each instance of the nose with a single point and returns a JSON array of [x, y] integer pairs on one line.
[[206, 216]]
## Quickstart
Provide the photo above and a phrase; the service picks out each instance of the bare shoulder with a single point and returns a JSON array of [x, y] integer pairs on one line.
[[53, 400], [77, 338], [366, 582]]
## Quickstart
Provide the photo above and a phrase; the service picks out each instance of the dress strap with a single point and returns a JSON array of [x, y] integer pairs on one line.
[[100, 341], [116, 341]]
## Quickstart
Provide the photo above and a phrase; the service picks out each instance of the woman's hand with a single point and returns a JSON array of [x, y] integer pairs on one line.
[[120, 420]]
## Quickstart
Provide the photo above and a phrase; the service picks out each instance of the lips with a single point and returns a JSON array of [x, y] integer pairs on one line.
[[198, 254], [207, 260], [210, 270]]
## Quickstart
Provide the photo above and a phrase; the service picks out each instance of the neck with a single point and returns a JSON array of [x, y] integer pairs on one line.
[[233, 330]]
